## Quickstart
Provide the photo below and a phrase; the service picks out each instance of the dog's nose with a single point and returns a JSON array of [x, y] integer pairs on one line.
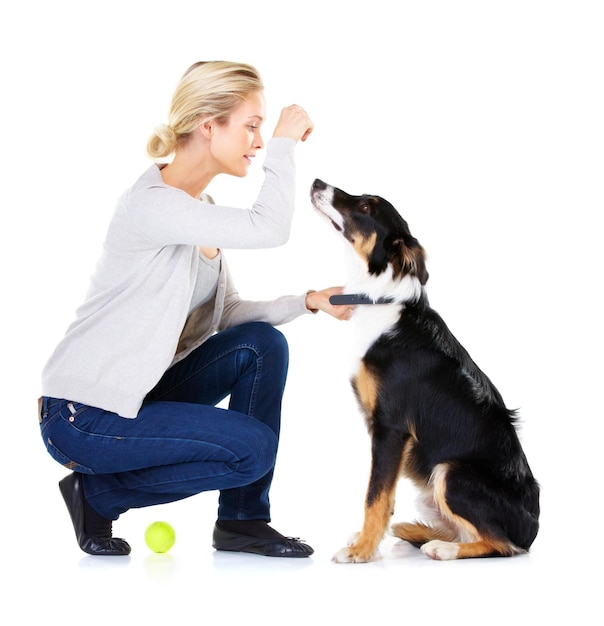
[[319, 184]]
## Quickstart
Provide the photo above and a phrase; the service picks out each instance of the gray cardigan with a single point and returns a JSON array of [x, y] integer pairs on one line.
[[134, 322]]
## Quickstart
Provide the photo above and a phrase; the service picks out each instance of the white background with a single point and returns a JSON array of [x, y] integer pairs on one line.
[[482, 123]]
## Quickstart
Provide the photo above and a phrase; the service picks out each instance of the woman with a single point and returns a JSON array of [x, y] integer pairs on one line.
[[130, 393]]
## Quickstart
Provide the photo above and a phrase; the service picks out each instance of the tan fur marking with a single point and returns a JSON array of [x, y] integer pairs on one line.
[[439, 482], [411, 261], [376, 521], [488, 547], [408, 459], [419, 533], [366, 388], [364, 245]]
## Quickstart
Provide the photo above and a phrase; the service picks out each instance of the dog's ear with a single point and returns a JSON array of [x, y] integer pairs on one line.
[[410, 259]]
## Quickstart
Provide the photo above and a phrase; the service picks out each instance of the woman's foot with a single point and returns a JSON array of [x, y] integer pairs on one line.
[[257, 537], [93, 532]]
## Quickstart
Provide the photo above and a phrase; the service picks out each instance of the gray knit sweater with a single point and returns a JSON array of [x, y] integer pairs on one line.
[[134, 322]]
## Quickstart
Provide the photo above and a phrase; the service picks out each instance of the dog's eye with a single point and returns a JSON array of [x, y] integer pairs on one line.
[[364, 207]]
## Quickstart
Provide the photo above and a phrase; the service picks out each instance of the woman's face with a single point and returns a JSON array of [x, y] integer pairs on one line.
[[235, 143]]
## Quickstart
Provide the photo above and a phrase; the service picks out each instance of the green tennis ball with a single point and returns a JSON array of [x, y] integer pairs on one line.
[[160, 536]]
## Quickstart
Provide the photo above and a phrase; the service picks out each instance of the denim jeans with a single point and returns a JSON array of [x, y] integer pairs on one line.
[[180, 443]]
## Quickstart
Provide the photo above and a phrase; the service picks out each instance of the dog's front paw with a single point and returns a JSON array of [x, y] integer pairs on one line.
[[350, 554], [440, 550]]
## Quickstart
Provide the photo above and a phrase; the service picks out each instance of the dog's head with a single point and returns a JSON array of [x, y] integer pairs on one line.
[[374, 228]]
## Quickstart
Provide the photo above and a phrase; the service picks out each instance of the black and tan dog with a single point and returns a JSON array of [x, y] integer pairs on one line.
[[433, 416]]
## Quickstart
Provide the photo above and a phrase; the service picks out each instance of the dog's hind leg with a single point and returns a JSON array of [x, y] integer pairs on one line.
[[469, 541], [379, 504], [442, 543]]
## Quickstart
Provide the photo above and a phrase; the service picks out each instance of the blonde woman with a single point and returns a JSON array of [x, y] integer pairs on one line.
[[130, 392]]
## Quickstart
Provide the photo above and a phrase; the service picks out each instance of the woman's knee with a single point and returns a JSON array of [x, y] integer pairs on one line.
[[263, 445], [268, 338], [269, 344]]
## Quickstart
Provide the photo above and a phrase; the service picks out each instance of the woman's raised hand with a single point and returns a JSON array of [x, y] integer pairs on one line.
[[294, 123]]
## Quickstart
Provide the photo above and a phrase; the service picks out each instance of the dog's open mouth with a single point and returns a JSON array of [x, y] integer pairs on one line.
[[327, 217], [336, 226]]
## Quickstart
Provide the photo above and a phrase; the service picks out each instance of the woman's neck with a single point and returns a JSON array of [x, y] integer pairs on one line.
[[190, 169]]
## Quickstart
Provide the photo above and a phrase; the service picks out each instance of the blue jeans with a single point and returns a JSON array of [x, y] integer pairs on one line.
[[180, 443]]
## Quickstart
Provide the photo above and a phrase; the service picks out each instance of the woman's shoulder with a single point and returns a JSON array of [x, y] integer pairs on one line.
[[148, 184], [151, 177]]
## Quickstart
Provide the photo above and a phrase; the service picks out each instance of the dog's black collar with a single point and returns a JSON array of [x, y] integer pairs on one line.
[[357, 298]]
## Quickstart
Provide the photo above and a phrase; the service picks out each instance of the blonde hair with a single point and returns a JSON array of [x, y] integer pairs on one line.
[[207, 89]]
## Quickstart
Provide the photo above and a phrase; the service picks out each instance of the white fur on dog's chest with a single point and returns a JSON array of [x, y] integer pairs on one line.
[[370, 322]]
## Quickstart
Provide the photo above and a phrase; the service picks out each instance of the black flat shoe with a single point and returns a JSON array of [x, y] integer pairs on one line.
[[280, 546], [106, 545]]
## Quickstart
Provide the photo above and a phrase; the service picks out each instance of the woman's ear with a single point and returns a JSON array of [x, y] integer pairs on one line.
[[206, 127]]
